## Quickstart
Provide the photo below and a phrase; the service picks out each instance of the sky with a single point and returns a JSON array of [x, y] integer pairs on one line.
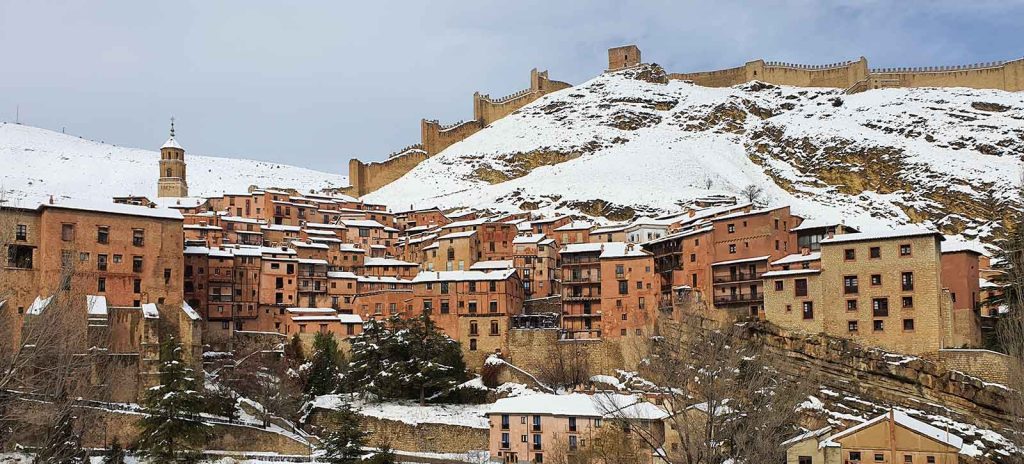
[[315, 83]]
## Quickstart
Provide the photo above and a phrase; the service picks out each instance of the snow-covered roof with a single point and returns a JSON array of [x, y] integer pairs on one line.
[[955, 245], [96, 305], [462, 276], [806, 435], [311, 310], [38, 305], [797, 258], [899, 232], [790, 272], [171, 143], [313, 261], [742, 260], [574, 225], [382, 280], [150, 311], [362, 223], [387, 262], [609, 228], [679, 234], [491, 265], [113, 208], [580, 405], [341, 275], [808, 224], [901, 418], [528, 239], [281, 227], [740, 214], [547, 220], [456, 235], [298, 244], [191, 313], [350, 247], [607, 249], [985, 283]]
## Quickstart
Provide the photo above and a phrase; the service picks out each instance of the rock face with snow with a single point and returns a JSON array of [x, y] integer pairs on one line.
[[633, 142], [38, 163]]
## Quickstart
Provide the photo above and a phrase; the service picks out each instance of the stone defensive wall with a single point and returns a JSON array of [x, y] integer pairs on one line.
[[435, 137], [855, 76]]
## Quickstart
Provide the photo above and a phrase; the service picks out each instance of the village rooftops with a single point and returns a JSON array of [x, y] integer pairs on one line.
[[469, 223], [809, 434], [613, 406], [609, 228], [96, 305], [319, 232], [797, 258], [369, 262], [362, 223], [342, 318], [491, 265], [547, 220], [742, 260], [607, 249], [462, 276], [298, 244], [112, 208], [891, 234]]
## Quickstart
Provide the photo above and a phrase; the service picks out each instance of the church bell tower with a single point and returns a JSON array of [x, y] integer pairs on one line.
[[172, 169]]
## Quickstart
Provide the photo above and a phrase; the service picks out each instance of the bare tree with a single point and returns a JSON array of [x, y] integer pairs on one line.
[[261, 375], [754, 194], [723, 394], [610, 444], [567, 366]]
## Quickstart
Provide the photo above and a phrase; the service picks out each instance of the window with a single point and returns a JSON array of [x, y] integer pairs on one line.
[[536, 441], [472, 286], [693, 257], [804, 460], [67, 232], [905, 249], [494, 328], [907, 281], [779, 286], [428, 306], [136, 264], [523, 438], [619, 270], [472, 307], [101, 284], [19, 256], [876, 279], [117, 259], [879, 325], [641, 303], [472, 344], [536, 425], [931, 459], [808, 310], [504, 436], [639, 285], [908, 458], [21, 232], [880, 307], [800, 286], [364, 232], [538, 458], [731, 228], [493, 307], [445, 307], [908, 325], [573, 444], [855, 455], [138, 237], [851, 326], [623, 287], [473, 328], [137, 285], [851, 305], [879, 457], [875, 252], [850, 284], [849, 254], [103, 234], [493, 286], [908, 302], [732, 248], [444, 288], [572, 424]]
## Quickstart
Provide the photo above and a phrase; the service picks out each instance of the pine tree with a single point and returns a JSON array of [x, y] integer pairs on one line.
[[372, 370], [435, 360], [115, 455], [172, 427], [325, 368], [343, 444]]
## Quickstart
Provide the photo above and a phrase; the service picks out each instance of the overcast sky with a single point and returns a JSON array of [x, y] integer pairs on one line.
[[316, 83]]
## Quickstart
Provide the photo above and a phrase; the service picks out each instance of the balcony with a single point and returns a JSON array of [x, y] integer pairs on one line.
[[581, 297], [737, 277], [591, 314], [579, 334], [739, 298], [581, 279]]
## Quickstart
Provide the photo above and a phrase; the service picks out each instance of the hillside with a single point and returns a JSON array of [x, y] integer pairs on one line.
[[39, 162], [633, 142]]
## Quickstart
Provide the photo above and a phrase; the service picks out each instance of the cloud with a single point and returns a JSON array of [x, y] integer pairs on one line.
[[315, 83]]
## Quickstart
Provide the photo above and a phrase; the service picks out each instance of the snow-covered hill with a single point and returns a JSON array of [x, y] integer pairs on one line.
[[631, 141], [39, 162]]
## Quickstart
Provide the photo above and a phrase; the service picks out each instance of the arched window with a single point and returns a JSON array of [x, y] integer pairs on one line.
[[168, 174]]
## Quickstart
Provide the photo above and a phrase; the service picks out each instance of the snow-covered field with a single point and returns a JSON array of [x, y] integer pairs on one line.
[[38, 163], [654, 146]]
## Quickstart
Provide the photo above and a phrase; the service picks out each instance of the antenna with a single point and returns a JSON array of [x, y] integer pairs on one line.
[[172, 127], [17, 114]]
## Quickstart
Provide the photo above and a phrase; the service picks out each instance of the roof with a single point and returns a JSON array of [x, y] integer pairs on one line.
[[742, 260], [341, 275], [790, 272], [752, 212], [680, 234], [797, 258], [608, 249], [901, 418], [548, 220], [469, 223], [150, 311], [580, 405], [171, 143], [38, 305], [382, 280], [528, 239], [491, 265], [280, 227], [191, 313], [609, 228], [575, 225], [455, 235], [956, 245], [808, 224], [900, 232], [806, 435], [298, 244], [96, 305], [114, 208], [387, 262], [462, 276], [361, 223]]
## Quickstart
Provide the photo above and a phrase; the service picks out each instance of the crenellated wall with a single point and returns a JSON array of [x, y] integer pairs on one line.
[[435, 137], [856, 76]]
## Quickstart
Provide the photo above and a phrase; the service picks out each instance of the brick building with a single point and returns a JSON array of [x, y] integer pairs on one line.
[[609, 290]]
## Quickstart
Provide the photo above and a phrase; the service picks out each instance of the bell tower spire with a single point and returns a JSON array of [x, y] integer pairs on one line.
[[172, 181]]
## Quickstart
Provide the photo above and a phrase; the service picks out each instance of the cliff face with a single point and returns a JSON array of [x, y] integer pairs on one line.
[[634, 141]]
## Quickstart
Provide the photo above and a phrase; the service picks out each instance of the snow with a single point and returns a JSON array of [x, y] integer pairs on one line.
[[607, 249], [579, 405], [790, 272], [491, 265], [191, 313], [39, 163], [903, 419], [410, 412], [97, 305], [387, 262], [797, 258], [462, 276], [607, 380], [149, 311], [881, 234], [38, 305], [656, 168]]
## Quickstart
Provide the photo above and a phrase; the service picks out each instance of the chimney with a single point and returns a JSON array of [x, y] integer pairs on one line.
[[51, 199], [830, 233], [805, 251]]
